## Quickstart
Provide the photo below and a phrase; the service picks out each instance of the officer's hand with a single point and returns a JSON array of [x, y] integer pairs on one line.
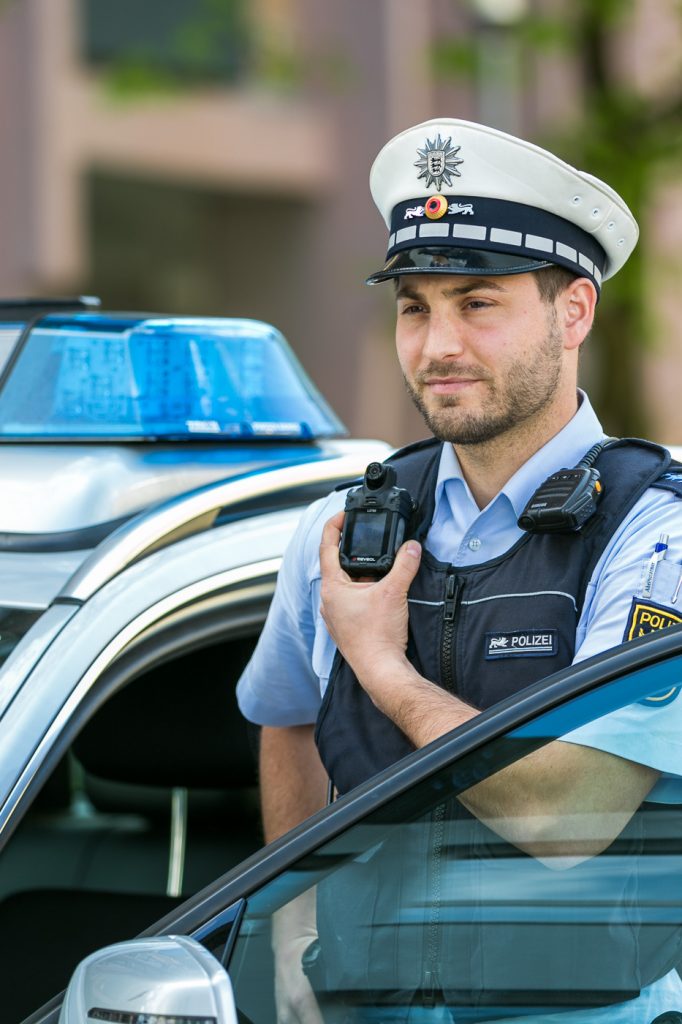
[[294, 997], [292, 933], [366, 620]]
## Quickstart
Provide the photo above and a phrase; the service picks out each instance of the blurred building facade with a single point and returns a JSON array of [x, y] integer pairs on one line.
[[211, 156]]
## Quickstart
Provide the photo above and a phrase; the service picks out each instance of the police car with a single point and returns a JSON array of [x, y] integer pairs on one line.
[[154, 469]]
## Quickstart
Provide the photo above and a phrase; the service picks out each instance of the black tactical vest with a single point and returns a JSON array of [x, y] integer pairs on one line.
[[485, 632]]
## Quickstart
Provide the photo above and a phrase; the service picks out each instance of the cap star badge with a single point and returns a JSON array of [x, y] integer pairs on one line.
[[438, 162]]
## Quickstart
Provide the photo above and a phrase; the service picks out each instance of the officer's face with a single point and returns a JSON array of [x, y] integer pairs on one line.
[[480, 355]]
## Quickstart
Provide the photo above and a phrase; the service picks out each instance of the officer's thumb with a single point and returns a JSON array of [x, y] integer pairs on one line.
[[406, 563]]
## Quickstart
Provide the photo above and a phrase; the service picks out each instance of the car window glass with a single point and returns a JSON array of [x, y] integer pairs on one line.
[[423, 908]]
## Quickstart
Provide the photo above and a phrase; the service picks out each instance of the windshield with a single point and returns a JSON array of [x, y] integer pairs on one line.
[[97, 376]]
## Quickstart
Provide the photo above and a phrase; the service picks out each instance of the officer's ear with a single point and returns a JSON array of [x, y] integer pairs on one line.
[[575, 307]]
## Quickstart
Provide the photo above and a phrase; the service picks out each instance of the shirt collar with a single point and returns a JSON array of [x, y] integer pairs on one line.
[[565, 449]]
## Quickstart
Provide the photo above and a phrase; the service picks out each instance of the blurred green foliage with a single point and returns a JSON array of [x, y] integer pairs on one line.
[[162, 47], [627, 138]]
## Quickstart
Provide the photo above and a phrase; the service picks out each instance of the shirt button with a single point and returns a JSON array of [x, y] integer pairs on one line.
[[474, 544]]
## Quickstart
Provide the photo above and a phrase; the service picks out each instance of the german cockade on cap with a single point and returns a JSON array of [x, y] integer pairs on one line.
[[462, 198]]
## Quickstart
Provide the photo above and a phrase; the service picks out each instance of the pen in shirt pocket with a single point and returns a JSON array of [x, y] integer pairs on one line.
[[657, 556]]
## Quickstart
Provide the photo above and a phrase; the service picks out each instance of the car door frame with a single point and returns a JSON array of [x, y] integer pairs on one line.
[[46, 711]]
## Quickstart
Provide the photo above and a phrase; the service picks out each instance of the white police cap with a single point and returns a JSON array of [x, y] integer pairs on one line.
[[462, 198]]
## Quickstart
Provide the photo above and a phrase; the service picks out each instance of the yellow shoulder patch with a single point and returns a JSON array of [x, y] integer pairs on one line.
[[648, 617]]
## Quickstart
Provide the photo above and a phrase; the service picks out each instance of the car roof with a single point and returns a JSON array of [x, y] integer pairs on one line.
[[32, 573]]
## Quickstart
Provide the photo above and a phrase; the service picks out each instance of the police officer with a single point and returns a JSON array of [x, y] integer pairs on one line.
[[497, 251]]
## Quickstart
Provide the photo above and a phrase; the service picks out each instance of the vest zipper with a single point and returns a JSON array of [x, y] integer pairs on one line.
[[453, 591], [431, 982]]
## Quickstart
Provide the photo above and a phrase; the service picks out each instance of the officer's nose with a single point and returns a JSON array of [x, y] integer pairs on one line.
[[444, 339]]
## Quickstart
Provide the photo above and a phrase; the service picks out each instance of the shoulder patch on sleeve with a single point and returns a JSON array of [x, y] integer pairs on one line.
[[648, 617]]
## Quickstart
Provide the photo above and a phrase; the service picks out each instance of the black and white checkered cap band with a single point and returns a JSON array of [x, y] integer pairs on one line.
[[497, 225]]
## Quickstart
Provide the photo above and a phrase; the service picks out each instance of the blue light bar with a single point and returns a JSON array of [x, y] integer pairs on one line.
[[97, 376]]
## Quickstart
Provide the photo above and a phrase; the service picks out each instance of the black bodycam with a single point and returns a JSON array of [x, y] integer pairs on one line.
[[379, 517]]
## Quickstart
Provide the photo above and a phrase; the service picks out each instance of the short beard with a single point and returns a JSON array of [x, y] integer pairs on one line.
[[526, 390]]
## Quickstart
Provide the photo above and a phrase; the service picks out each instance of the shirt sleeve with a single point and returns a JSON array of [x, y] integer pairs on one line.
[[620, 606], [279, 686]]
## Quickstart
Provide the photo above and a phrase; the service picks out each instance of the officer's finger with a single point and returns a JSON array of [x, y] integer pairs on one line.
[[329, 546], [336, 522]]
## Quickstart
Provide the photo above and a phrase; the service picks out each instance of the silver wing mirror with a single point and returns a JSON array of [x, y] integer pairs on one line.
[[164, 980]]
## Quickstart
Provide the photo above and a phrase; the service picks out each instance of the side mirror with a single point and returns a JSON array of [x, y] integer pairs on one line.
[[163, 979]]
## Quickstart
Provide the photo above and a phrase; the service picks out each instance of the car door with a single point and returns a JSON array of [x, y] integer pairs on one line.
[[421, 906]]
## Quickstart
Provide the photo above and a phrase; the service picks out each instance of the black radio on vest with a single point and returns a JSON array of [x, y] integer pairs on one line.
[[379, 517], [568, 498]]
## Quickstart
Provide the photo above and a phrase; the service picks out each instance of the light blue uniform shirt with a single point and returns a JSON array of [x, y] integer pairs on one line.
[[288, 673]]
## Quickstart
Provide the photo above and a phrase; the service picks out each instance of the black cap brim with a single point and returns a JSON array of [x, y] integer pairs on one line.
[[451, 260]]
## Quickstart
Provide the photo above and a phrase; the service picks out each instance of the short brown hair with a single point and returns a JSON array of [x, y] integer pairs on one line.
[[551, 281]]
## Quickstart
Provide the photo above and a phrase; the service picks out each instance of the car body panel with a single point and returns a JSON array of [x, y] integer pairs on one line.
[[91, 484], [200, 509], [32, 579]]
